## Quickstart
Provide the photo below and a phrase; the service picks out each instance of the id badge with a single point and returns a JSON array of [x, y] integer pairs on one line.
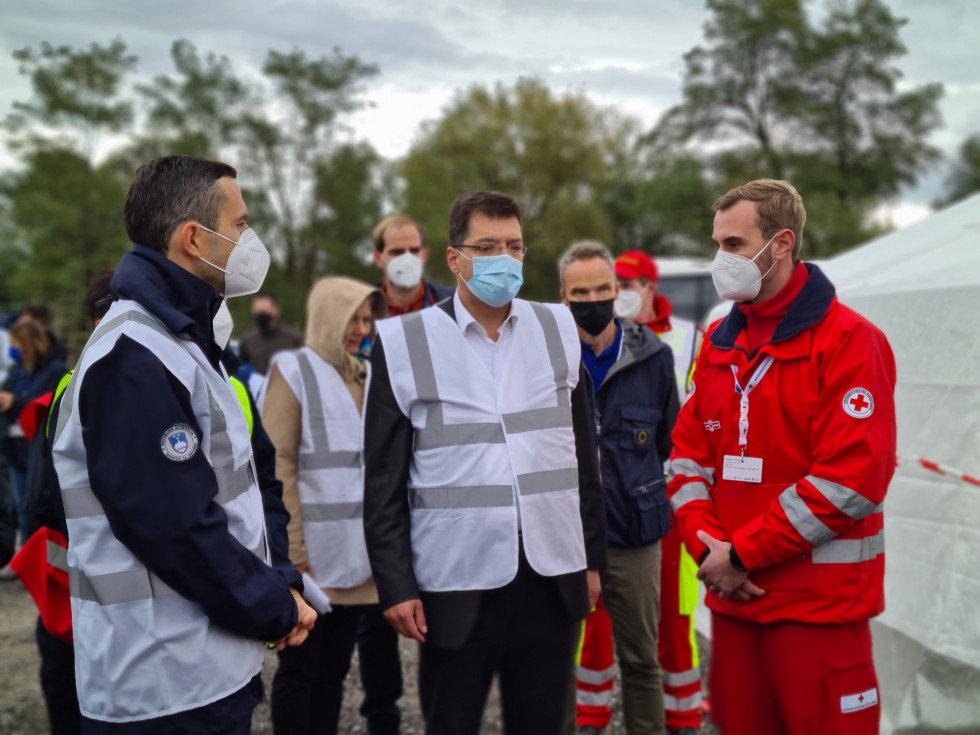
[[742, 469]]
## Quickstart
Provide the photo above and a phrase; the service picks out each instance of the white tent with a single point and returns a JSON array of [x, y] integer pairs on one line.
[[921, 286]]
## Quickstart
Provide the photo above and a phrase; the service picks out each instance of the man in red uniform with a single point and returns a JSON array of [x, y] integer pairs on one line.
[[782, 457]]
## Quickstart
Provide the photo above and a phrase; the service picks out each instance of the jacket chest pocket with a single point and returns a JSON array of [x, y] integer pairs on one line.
[[638, 427]]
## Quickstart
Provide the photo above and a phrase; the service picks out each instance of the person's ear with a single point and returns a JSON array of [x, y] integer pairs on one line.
[[784, 243], [378, 260], [452, 260]]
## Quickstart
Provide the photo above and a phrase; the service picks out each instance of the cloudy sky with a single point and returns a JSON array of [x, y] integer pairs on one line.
[[622, 52]]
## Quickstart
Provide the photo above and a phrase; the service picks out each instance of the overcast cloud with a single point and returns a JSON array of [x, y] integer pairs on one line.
[[622, 52]]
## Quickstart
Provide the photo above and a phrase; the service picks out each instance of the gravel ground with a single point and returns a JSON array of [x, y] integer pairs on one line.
[[22, 706]]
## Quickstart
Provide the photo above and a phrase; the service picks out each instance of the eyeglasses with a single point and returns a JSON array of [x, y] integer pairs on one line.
[[514, 249]]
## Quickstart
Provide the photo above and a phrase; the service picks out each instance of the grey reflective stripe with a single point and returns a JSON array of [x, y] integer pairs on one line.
[[259, 549], [332, 511], [467, 496], [593, 699], [847, 501], [803, 519], [595, 678], [548, 481], [850, 550], [690, 468], [537, 419], [422, 370], [454, 435], [680, 678], [134, 316], [687, 704], [57, 556], [689, 493], [231, 482], [117, 587], [321, 458], [80, 502], [556, 351]]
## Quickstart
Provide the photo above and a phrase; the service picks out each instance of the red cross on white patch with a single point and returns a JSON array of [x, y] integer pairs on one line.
[[858, 403]]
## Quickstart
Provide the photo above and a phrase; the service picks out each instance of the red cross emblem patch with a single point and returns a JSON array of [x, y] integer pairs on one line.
[[859, 403]]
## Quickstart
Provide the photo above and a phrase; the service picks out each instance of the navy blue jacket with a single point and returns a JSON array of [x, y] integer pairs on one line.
[[164, 511], [636, 408]]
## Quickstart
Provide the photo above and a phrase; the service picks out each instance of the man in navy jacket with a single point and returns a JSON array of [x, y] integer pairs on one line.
[[636, 406]]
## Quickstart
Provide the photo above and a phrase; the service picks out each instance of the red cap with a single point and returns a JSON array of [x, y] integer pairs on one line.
[[636, 264]]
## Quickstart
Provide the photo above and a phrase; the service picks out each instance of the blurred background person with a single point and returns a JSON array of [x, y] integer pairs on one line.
[[40, 315], [400, 252], [269, 336], [313, 413], [38, 368]]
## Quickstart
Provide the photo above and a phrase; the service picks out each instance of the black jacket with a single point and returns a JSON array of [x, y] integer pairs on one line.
[[388, 437], [637, 406]]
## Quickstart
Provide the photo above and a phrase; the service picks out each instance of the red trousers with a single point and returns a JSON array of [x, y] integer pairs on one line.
[[792, 678], [675, 650]]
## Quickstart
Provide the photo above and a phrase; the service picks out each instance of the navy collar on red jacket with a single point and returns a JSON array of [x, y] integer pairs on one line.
[[808, 308], [183, 302]]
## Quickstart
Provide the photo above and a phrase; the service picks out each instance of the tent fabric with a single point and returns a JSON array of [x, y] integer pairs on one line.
[[921, 286]]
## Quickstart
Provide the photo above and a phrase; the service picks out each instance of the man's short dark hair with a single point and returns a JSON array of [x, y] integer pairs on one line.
[[172, 190], [98, 298], [38, 312], [266, 295], [491, 204]]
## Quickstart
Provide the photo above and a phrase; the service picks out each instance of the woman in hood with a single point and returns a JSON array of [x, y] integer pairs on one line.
[[313, 412]]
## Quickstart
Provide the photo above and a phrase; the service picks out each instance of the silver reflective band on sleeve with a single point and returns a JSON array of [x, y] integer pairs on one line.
[[687, 704], [80, 502], [135, 316], [680, 678], [850, 550], [332, 511], [468, 496], [548, 481], [536, 419], [593, 699], [117, 587], [232, 483], [259, 549], [690, 468], [57, 556], [556, 351], [689, 493], [321, 458], [847, 501], [803, 519], [595, 678]]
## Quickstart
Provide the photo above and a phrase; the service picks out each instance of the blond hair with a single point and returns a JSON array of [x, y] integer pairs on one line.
[[778, 206]]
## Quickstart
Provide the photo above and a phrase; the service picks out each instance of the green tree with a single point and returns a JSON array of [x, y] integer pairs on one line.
[[964, 179], [64, 207], [774, 93], [554, 154], [291, 152]]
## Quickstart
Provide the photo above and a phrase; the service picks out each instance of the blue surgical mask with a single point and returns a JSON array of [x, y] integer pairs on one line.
[[496, 278], [15, 354]]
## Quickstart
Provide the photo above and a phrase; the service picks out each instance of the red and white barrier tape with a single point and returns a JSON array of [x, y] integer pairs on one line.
[[941, 469]]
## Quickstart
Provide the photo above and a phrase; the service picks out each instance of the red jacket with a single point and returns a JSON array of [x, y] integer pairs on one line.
[[822, 420]]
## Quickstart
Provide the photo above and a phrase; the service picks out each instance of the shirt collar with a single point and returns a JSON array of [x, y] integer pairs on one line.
[[465, 320]]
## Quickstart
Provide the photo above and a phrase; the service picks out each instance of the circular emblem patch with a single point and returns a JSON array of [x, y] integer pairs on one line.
[[179, 443], [858, 403]]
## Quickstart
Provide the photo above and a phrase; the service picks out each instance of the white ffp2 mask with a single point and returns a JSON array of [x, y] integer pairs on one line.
[[222, 325], [405, 270], [628, 304], [736, 277], [248, 263]]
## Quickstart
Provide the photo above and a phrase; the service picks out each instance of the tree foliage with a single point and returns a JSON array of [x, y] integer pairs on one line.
[[775, 93], [554, 154], [964, 179]]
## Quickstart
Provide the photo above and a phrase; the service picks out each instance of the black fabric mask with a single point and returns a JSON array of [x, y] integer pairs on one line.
[[592, 316], [264, 322]]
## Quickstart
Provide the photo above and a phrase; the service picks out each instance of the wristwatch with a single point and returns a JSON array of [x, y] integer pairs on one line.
[[735, 561]]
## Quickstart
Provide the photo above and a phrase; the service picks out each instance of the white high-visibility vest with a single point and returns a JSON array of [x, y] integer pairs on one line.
[[330, 472], [480, 452], [684, 339], [141, 650]]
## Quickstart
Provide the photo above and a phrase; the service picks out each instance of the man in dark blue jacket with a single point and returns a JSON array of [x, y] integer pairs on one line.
[[168, 505], [636, 405]]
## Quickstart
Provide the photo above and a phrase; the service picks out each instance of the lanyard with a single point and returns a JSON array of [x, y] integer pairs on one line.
[[743, 420]]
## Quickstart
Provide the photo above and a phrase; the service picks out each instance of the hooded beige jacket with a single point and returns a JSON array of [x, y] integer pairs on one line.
[[329, 309]]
